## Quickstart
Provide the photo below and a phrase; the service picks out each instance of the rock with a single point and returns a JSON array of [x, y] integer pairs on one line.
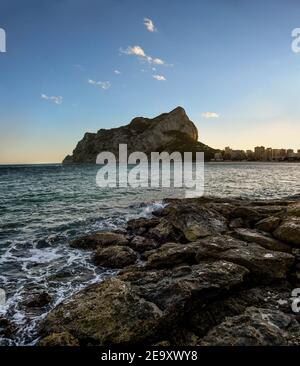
[[38, 301], [248, 214], [139, 307], [168, 132], [294, 210], [114, 257], [171, 254], [274, 297], [268, 224], [7, 328], [140, 226], [216, 271], [101, 239], [59, 340], [236, 223], [256, 327], [265, 265], [105, 314], [164, 232], [270, 209], [190, 221], [172, 289], [253, 236], [289, 231], [141, 244]]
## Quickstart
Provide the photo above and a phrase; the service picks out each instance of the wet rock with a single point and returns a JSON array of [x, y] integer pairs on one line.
[[268, 224], [7, 328], [164, 232], [105, 314], [43, 243], [38, 301], [142, 225], [59, 340], [101, 239], [253, 236], [141, 244], [256, 327], [265, 265], [114, 257], [171, 254], [140, 306], [289, 231]]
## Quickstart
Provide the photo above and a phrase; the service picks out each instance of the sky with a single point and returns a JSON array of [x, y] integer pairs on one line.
[[73, 66]]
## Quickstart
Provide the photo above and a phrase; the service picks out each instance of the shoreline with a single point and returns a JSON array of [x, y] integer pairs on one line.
[[244, 249]]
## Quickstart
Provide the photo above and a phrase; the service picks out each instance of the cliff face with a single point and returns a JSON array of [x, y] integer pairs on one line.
[[168, 132]]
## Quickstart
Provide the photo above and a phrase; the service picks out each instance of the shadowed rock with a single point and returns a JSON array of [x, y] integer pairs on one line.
[[268, 224], [256, 327], [114, 257]]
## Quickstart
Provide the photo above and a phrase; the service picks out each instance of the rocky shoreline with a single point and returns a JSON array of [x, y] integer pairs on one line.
[[205, 271]]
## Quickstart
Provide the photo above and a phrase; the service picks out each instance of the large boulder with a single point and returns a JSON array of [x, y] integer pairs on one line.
[[101, 239], [189, 220], [114, 257], [265, 265], [173, 290], [105, 314], [256, 327], [289, 231]]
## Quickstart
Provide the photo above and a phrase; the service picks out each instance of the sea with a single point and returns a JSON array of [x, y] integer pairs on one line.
[[44, 207]]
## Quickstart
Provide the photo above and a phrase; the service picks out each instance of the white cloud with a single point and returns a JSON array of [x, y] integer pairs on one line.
[[150, 25], [117, 72], [135, 50], [159, 77], [158, 61], [210, 115], [54, 99], [141, 54], [102, 84]]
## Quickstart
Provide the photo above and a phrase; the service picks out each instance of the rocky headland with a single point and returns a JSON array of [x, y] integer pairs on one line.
[[168, 132], [202, 271]]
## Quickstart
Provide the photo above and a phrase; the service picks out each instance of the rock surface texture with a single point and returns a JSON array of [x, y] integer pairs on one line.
[[205, 271], [168, 132]]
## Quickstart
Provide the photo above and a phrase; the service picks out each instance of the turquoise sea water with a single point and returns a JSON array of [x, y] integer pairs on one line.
[[42, 207]]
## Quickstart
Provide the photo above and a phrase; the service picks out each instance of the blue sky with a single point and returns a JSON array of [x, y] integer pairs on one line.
[[230, 58]]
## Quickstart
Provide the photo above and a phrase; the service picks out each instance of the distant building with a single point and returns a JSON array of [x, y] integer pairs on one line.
[[227, 153], [218, 156], [259, 152], [268, 154]]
